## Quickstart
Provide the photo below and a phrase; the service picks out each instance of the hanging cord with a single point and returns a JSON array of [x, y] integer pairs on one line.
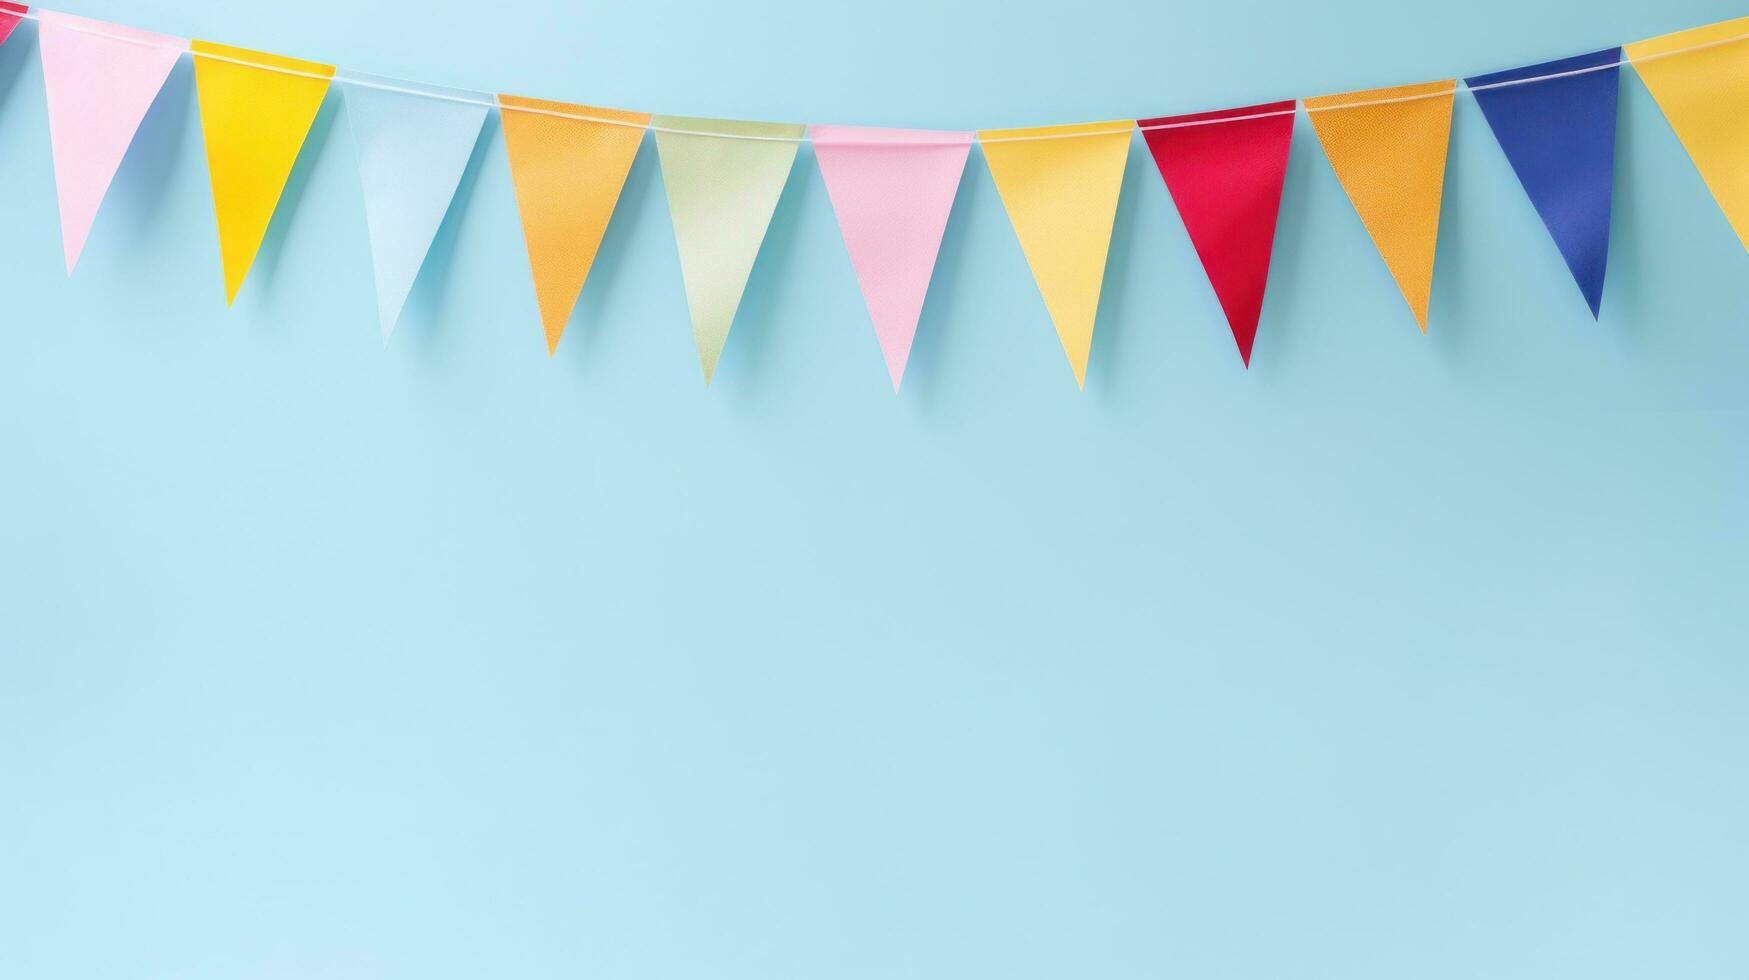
[[406, 87]]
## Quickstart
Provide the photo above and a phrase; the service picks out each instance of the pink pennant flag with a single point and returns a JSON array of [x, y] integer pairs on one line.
[[892, 190], [100, 79]]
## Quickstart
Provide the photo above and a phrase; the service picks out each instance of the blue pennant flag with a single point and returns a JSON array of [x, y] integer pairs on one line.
[[412, 151], [1558, 133]]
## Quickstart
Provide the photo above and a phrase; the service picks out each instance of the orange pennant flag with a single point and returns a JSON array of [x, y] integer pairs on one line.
[[568, 172], [1388, 149]]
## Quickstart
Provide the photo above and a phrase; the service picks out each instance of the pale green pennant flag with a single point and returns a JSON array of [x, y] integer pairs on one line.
[[724, 179]]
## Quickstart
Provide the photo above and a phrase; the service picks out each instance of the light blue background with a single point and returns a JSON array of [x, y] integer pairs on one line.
[[1391, 657]]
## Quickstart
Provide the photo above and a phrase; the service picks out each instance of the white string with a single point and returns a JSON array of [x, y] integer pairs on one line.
[[1362, 103], [410, 89]]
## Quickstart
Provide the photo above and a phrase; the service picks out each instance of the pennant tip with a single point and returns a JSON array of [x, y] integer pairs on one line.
[[1079, 366], [386, 321], [895, 374]]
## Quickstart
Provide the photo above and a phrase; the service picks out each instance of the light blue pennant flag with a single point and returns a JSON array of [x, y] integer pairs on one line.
[[412, 151]]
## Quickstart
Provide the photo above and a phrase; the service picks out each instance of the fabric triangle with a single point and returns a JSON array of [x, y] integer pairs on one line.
[[892, 190], [1388, 148], [1558, 132], [1704, 92], [255, 110], [412, 151], [99, 79], [723, 179], [1224, 170], [1060, 185], [568, 172], [10, 15]]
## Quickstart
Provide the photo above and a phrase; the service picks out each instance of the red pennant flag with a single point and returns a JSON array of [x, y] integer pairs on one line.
[[10, 15], [1225, 177]]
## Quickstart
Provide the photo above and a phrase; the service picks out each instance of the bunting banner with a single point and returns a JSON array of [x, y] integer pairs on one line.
[[723, 178], [412, 149], [892, 190], [1224, 170], [1559, 136], [1705, 95], [10, 16], [99, 80], [255, 110], [1060, 185], [568, 163], [1388, 148]]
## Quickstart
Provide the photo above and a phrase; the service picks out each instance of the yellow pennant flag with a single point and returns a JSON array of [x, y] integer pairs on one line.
[[1704, 93], [568, 164], [1061, 195], [255, 110], [1388, 148]]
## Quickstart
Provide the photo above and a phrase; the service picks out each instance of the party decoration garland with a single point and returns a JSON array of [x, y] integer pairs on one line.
[[721, 196], [891, 189], [1700, 78], [568, 164], [10, 15], [1060, 186], [1224, 170], [1388, 149], [93, 114], [412, 151], [1559, 136]]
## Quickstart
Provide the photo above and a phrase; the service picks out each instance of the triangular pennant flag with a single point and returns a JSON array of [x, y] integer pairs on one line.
[[10, 15], [1704, 92], [1060, 185], [568, 163], [892, 190], [99, 79], [1224, 170], [1558, 132], [412, 150], [1388, 147], [255, 110], [723, 179]]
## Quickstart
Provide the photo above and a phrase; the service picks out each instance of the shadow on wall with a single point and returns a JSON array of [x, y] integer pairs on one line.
[[261, 279], [585, 333], [136, 196], [943, 304], [14, 52], [419, 320], [743, 370]]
